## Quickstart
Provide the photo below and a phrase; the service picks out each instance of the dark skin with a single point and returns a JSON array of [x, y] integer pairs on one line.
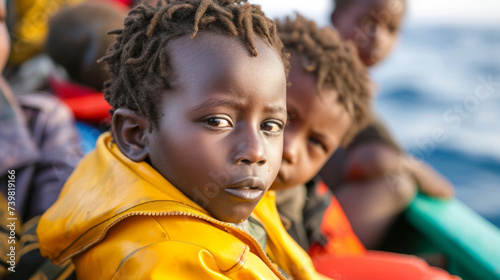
[[315, 129], [379, 182], [316, 126], [373, 25], [219, 136]]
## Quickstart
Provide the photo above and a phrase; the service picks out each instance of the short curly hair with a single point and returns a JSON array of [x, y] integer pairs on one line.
[[139, 61], [334, 63]]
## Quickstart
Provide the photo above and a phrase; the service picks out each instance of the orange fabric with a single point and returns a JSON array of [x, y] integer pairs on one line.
[[344, 257], [379, 266], [337, 230]]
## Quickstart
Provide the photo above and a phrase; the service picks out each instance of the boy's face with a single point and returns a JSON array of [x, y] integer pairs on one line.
[[4, 37], [220, 131], [373, 25], [315, 129]]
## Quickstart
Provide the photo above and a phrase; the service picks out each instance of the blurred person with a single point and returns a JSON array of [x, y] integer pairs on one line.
[[77, 38], [29, 26], [39, 148], [328, 102], [373, 178], [28, 68]]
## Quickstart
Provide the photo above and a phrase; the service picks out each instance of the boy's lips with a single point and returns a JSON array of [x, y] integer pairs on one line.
[[247, 189]]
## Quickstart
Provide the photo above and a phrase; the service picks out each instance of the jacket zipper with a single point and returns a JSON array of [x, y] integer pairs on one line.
[[256, 244]]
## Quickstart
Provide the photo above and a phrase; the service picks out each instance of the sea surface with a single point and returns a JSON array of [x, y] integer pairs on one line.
[[439, 94]]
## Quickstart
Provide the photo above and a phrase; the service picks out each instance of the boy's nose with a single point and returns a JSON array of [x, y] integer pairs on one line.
[[251, 150]]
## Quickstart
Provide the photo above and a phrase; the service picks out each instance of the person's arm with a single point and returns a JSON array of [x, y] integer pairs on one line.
[[375, 160], [430, 182], [54, 133]]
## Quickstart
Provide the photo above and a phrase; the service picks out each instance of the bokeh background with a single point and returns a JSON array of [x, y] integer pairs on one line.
[[443, 78]]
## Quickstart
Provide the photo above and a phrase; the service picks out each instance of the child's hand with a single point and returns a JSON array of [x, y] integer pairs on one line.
[[431, 182], [374, 160]]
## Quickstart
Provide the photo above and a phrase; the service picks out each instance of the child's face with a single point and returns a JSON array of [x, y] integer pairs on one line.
[[4, 37], [373, 25], [220, 133], [315, 129]]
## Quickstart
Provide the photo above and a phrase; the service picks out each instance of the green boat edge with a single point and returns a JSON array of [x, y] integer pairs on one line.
[[447, 227]]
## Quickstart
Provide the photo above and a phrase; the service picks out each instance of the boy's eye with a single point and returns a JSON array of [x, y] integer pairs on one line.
[[392, 28], [218, 122], [318, 143], [290, 116], [272, 126]]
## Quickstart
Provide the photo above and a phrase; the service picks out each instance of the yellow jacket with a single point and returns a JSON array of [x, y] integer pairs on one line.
[[118, 219]]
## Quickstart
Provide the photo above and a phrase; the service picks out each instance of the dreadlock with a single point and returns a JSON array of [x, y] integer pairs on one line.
[[333, 63], [139, 62]]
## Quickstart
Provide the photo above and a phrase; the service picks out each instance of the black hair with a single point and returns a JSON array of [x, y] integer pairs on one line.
[[139, 61]]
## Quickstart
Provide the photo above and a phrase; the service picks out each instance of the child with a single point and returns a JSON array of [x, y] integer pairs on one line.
[[198, 94], [373, 178], [77, 38], [328, 101]]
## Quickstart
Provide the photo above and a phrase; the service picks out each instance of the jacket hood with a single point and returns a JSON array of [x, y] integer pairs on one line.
[[105, 188]]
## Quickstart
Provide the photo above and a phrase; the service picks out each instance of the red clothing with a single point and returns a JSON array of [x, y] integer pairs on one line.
[[86, 104], [336, 250]]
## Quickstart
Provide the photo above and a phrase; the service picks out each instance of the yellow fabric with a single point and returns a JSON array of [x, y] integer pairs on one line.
[[31, 26], [281, 247], [119, 219]]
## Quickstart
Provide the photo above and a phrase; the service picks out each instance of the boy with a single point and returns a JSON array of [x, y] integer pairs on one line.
[[198, 94], [328, 101], [373, 178]]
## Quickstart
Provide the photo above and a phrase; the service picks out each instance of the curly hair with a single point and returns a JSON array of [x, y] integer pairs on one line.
[[139, 61], [333, 63]]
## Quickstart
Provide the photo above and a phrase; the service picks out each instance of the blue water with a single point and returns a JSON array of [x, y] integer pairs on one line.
[[439, 93]]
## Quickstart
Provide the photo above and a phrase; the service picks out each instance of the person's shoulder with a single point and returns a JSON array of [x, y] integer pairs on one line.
[[52, 127]]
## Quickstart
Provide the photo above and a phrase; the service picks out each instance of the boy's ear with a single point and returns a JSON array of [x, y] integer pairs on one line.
[[129, 132]]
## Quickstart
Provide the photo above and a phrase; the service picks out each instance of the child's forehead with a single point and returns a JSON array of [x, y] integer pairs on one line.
[[210, 61], [213, 51], [300, 76], [306, 83]]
